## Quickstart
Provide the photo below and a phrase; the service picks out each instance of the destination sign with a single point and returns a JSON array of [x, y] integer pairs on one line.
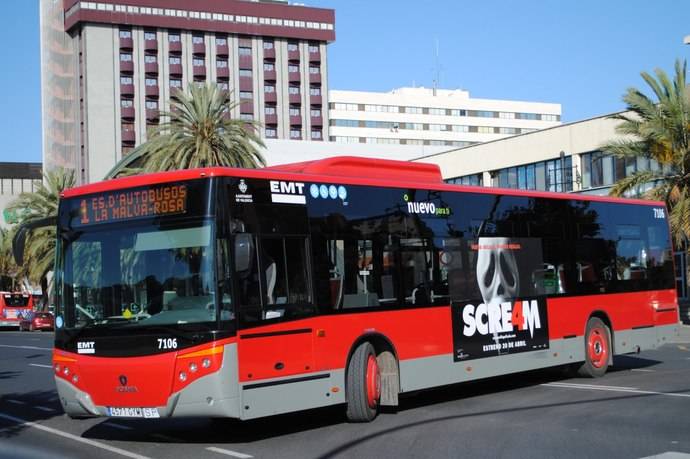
[[131, 204]]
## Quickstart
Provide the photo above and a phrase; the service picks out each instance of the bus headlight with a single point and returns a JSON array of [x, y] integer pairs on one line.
[[193, 367], [183, 376]]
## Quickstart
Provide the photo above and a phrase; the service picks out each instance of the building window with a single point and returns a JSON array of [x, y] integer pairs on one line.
[[222, 63], [506, 115], [174, 37], [292, 68], [126, 57], [174, 60], [126, 80], [437, 111], [221, 41], [246, 95], [549, 117], [295, 134], [246, 116], [527, 116], [125, 33], [175, 83], [271, 132], [245, 73], [269, 67], [484, 114], [270, 110], [126, 103], [151, 105], [508, 130], [294, 111], [293, 90], [151, 82], [314, 91], [292, 46], [269, 88], [197, 39], [315, 113], [149, 36], [244, 51], [314, 69], [316, 134], [198, 62], [414, 110], [485, 129], [345, 107], [268, 44], [224, 85], [460, 128], [458, 112], [313, 49], [150, 59]]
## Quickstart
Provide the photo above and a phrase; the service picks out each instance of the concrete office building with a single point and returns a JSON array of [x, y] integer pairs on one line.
[[109, 67], [437, 117], [564, 158], [16, 178]]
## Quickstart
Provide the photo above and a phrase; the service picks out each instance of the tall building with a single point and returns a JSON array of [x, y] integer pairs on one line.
[[109, 67], [424, 116]]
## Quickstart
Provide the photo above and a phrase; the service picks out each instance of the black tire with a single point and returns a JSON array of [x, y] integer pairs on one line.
[[359, 397], [597, 349]]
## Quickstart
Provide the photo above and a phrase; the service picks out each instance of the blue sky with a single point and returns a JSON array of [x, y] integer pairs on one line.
[[582, 54]]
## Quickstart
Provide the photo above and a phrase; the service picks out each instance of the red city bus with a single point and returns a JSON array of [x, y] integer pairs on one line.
[[246, 293], [14, 307]]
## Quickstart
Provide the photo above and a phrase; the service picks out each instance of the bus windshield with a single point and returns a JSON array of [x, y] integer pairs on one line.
[[132, 276]]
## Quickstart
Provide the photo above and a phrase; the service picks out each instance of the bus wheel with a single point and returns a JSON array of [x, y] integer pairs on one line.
[[363, 389], [597, 349]]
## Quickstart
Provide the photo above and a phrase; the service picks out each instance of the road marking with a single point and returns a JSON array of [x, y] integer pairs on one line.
[[117, 426], [591, 386], [76, 438], [669, 455], [44, 408], [34, 348], [16, 402], [682, 348], [642, 370], [40, 365], [228, 452], [631, 390]]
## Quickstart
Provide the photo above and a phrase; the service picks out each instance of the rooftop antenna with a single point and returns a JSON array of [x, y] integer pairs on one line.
[[437, 70]]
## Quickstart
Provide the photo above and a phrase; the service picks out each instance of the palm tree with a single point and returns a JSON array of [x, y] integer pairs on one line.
[[8, 269], [658, 128], [198, 132], [40, 247]]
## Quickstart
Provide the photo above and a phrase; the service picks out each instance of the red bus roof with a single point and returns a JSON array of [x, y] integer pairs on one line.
[[342, 169]]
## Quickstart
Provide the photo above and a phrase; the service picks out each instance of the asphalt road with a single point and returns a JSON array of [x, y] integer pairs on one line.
[[641, 408]]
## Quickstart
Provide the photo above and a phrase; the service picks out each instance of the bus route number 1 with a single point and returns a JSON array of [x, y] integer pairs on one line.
[[167, 343], [659, 212]]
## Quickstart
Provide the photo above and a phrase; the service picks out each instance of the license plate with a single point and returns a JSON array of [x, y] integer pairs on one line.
[[133, 412]]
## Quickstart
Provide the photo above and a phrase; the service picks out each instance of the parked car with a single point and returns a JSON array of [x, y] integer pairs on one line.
[[38, 321]]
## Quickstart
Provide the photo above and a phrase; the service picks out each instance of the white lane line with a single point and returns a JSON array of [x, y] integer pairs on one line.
[[669, 455], [35, 348], [40, 365], [631, 390], [592, 386], [117, 426], [16, 402], [44, 408], [642, 370], [76, 438], [228, 452]]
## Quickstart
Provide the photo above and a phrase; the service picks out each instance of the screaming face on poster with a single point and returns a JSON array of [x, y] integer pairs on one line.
[[510, 317]]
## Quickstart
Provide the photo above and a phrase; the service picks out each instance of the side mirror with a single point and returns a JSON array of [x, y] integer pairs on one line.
[[244, 251]]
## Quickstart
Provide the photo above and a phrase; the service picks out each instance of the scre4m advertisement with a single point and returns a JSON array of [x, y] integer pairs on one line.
[[486, 330]]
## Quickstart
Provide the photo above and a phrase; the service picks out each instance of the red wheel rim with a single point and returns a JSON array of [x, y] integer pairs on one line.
[[373, 382], [597, 347]]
